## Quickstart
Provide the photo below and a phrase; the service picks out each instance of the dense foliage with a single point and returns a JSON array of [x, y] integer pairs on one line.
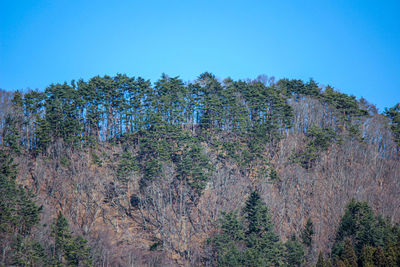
[[105, 108], [161, 149], [394, 115], [364, 239], [250, 240], [19, 215]]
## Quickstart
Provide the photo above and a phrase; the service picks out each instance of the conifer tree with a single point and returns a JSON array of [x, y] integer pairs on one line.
[[251, 242], [320, 262], [394, 115], [348, 255], [307, 233], [379, 257], [295, 252], [367, 256], [18, 216], [68, 249]]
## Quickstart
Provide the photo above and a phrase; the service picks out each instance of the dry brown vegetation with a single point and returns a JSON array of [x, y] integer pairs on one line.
[[165, 224]]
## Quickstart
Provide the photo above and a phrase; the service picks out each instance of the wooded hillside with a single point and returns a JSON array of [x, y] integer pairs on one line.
[[117, 171]]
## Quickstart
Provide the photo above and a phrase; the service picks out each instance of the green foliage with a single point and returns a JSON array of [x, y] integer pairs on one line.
[[307, 233], [359, 224], [354, 131], [295, 252], [233, 150], [348, 256], [68, 249], [28, 252], [321, 261], [346, 106], [367, 256], [157, 244], [249, 240], [320, 140], [226, 245], [394, 115], [194, 167], [18, 212], [127, 165], [65, 161], [18, 216], [379, 257], [11, 134], [273, 174], [96, 159], [373, 240], [164, 143]]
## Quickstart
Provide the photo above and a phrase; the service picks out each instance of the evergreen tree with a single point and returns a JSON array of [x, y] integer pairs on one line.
[[394, 115], [18, 216], [295, 252], [379, 257], [307, 233], [68, 250], [359, 224], [226, 245], [251, 243], [367, 256], [320, 262], [348, 255], [376, 240]]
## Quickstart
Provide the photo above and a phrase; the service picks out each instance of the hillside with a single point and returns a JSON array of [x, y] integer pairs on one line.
[[145, 173]]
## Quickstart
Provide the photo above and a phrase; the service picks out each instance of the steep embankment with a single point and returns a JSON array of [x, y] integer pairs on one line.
[[154, 195], [122, 223]]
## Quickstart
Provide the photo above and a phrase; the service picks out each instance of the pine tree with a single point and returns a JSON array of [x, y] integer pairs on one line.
[[320, 262], [264, 247], [394, 115], [295, 252], [68, 249], [250, 240], [379, 257], [18, 216], [348, 255], [307, 233], [367, 256], [225, 246]]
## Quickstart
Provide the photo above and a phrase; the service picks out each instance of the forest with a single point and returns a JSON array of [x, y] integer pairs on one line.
[[120, 171]]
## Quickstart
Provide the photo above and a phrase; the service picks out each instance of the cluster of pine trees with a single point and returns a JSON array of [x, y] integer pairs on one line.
[[169, 119], [106, 108], [20, 221], [364, 239], [175, 122], [250, 240]]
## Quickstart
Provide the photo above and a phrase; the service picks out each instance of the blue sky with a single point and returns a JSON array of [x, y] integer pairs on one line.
[[352, 45]]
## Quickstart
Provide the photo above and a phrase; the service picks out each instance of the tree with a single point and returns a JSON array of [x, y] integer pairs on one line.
[[358, 224], [250, 240], [18, 216], [226, 245], [320, 262], [295, 252], [307, 233], [379, 257], [375, 239], [68, 249], [348, 255], [367, 256], [394, 115]]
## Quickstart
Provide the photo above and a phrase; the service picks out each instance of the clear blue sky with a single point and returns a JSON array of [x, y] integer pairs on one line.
[[352, 45]]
